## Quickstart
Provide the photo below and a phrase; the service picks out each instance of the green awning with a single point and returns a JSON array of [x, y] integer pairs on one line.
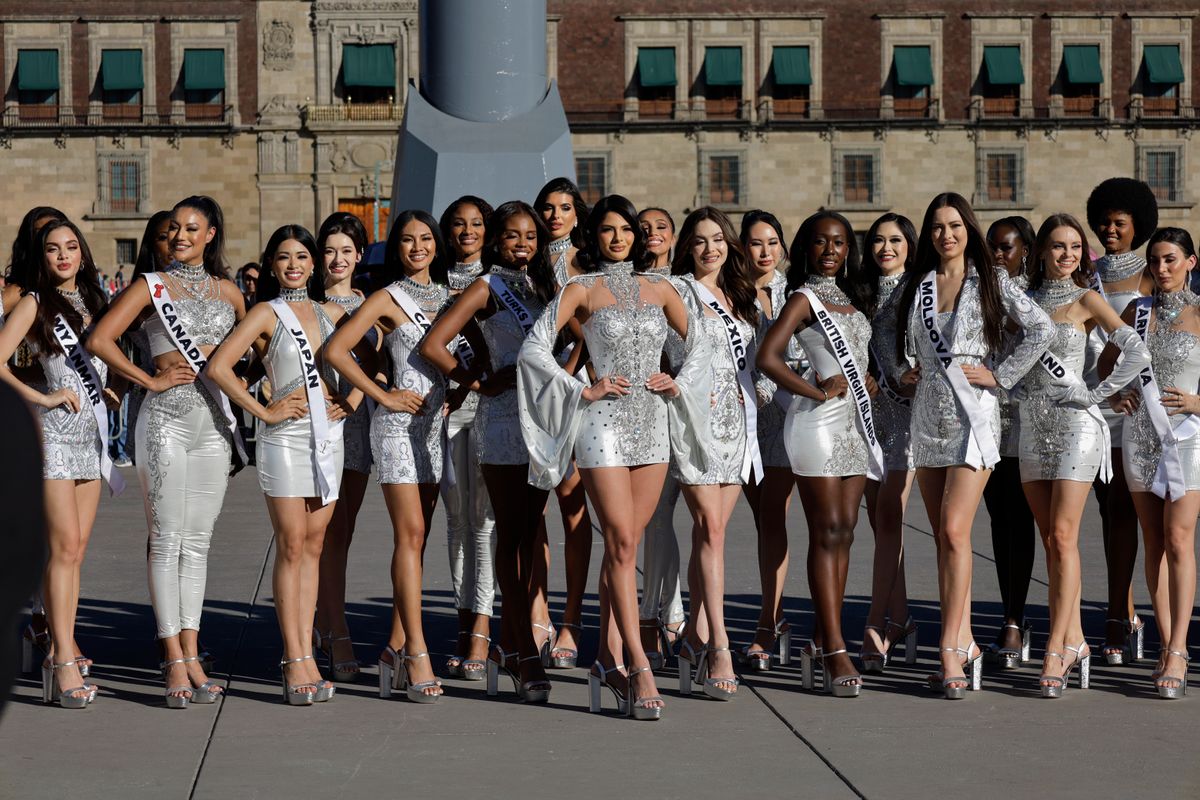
[[369, 65], [791, 66], [203, 69], [121, 70], [37, 70], [914, 66], [1003, 65], [1082, 62], [1162, 63], [723, 66], [656, 66]]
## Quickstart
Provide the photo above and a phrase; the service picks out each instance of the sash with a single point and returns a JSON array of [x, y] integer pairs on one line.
[[856, 381], [89, 379], [1169, 482], [980, 440], [414, 313], [509, 299], [164, 306], [751, 457], [1057, 372], [1097, 284], [885, 385], [323, 436]]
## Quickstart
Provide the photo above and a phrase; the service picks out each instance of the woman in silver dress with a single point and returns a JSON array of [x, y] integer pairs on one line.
[[891, 252], [299, 438], [953, 308], [63, 298], [616, 428], [186, 432], [827, 429], [502, 306], [408, 430], [340, 243], [563, 209], [1122, 212], [1063, 437], [715, 282], [661, 613], [470, 525], [762, 239], [1161, 448]]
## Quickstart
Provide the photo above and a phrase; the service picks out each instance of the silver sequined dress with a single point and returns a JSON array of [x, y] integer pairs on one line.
[[1118, 301], [356, 429], [772, 412], [893, 419], [70, 439]]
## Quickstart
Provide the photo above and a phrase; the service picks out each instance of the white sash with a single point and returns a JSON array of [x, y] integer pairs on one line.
[[510, 301], [980, 440], [323, 437], [751, 458], [1169, 482], [1055, 369], [165, 308], [885, 386], [856, 381], [85, 370]]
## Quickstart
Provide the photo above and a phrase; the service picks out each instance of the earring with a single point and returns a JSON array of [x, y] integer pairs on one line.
[[1023, 261]]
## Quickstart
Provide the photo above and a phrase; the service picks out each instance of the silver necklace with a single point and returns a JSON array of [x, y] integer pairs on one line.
[[1055, 293], [616, 266], [1169, 305], [560, 246], [76, 300], [429, 296], [462, 275], [194, 280], [1119, 266], [348, 302], [826, 289], [293, 295]]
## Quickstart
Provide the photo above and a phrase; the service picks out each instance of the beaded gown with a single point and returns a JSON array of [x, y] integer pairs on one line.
[[356, 428], [893, 419]]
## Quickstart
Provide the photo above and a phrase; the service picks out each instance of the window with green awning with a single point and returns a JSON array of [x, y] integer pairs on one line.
[[1163, 64], [121, 70], [37, 70], [203, 70], [656, 66], [791, 66], [913, 65], [369, 65], [723, 66], [1082, 63], [1003, 65]]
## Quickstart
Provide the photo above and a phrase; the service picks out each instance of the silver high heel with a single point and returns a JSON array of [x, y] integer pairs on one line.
[[292, 694], [544, 649], [839, 686], [177, 700], [1160, 683], [1008, 657], [534, 691], [972, 673], [342, 671], [571, 654], [67, 698], [325, 689], [908, 637], [689, 667], [712, 686], [207, 692], [493, 672], [474, 669], [873, 663], [637, 707], [655, 657], [85, 668], [31, 641], [389, 673], [810, 656], [595, 682], [1132, 649], [416, 691], [1054, 685], [760, 660]]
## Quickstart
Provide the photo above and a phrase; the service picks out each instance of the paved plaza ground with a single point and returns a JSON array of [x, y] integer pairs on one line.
[[775, 740]]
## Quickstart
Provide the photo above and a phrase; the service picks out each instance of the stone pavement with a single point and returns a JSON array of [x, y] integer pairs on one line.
[[896, 741]]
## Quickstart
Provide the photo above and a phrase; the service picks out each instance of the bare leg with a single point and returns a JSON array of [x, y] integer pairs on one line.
[[577, 553], [331, 599], [889, 594], [66, 504], [770, 501], [711, 507], [1120, 528], [410, 507]]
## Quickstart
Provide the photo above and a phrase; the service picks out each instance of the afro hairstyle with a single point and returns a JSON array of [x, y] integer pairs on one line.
[[1131, 196]]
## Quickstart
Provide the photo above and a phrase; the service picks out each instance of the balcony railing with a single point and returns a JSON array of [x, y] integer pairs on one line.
[[59, 117], [355, 112], [794, 110]]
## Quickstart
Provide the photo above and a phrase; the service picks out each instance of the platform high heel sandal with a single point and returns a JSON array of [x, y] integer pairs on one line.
[[1132, 647], [1167, 691], [972, 673], [689, 663], [1011, 657], [656, 658], [534, 691], [35, 646], [495, 667], [565, 657], [596, 682], [760, 660], [77, 697], [637, 708], [177, 700], [841, 685], [873, 663], [389, 673], [342, 671], [294, 694], [544, 648], [416, 691], [810, 657], [907, 637], [207, 692], [712, 686], [1054, 686], [474, 669]]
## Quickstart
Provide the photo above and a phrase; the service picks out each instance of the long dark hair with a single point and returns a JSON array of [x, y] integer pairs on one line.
[[439, 268], [848, 278], [214, 251], [541, 274], [268, 284], [734, 278], [565, 186], [589, 257], [1037, 273], [978, 253], [51, 303], [1176, 236], [446, 222], [146, 260], [24, 263], [871, 271]]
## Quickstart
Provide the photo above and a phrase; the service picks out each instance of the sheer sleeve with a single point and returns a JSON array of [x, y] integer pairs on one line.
[[688, 414], [1036, 333]]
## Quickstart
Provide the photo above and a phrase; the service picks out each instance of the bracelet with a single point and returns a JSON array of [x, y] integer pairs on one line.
[[826, 397]]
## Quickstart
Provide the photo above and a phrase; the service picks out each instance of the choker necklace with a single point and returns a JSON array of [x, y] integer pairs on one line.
[[76, 300], [560, 246], [826, 289], [348, 302], [517, 279], [462, 275], [1118, 267], [615, 266], [429, 296], [195, 281], [665, 269], [293, 295], [193, 273], [1056, 293], [1169, 305]]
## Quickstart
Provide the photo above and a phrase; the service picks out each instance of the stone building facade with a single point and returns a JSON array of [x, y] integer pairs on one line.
[[286, 110]]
